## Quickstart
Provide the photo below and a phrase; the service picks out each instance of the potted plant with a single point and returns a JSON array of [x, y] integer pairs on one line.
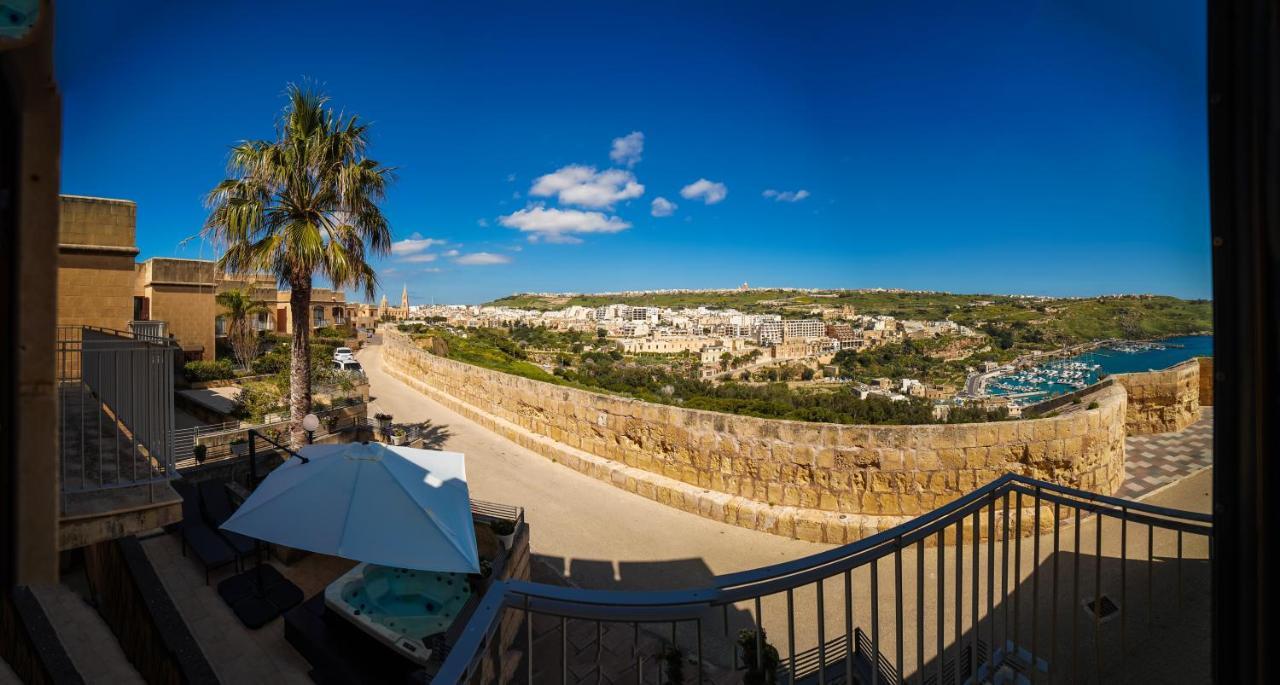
[[384, 423], [505, 530], [486, 568], [398, 435], [200, 452]]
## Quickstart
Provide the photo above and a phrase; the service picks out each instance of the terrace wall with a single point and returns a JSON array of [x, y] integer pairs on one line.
[[813, 481], [1162, 401], [1206, 381]]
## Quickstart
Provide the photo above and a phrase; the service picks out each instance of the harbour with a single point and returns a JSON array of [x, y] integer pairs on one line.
[[1024, 384]]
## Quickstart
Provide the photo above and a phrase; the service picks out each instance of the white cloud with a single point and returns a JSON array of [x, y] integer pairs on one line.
[[422, 258], [662, 207], [482, 259], [786, 195], [511, 178], [584, 186], [413, 244], [451, 253], [482, 223], [559, 225], [709, 192], [627, 149]]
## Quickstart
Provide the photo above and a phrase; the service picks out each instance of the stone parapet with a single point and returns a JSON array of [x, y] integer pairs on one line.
[[814, 481], [1206, 381], [1162, 401]]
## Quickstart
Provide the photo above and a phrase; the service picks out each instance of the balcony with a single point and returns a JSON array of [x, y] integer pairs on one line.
[[1020, 581], [155, 331], [115, 428]]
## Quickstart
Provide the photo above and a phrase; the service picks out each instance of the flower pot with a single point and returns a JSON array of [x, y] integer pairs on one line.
[[507, 540], [397, 440]]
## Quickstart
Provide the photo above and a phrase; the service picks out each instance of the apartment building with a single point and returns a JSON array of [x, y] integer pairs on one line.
[[803, 329], [101, 285]]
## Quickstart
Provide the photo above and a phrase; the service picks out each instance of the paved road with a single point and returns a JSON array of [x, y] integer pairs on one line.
[[602, 536]]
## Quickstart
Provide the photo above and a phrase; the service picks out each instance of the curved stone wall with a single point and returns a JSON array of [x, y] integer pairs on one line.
[[1162, 401], [815, 481]]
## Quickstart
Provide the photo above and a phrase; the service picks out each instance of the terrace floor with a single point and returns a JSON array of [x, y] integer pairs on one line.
[[1154, 461], [238, 655]]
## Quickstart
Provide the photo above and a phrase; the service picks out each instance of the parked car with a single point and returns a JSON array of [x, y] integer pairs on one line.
[[343, 354], [348, 365]]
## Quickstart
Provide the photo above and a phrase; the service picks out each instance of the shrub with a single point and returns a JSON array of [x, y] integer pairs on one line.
[[256, 400], [274, 361], [1093, 405], [204, 371], [331, 332]]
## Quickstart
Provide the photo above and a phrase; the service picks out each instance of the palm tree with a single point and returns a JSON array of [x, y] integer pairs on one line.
[[240, 308], [303, 204]]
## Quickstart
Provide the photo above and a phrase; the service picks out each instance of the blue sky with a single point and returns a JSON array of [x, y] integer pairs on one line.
[[1019, 146]]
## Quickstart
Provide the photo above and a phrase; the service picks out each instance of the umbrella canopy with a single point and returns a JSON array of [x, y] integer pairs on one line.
[[393, 506]]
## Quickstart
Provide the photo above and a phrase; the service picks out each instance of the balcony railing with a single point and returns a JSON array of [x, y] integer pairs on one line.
[[115, 408], [155, 331], [1093, 589]]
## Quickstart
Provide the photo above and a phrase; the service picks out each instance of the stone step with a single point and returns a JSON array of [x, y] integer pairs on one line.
[[87, 638]]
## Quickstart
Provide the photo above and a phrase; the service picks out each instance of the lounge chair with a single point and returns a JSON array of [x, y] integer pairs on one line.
[[212, 551], [217, 507]]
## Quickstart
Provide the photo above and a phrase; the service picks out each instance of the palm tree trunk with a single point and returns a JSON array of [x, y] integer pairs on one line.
[[299, 359]]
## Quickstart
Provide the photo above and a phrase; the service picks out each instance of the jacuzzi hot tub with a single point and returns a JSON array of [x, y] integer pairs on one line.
[[398, 606]]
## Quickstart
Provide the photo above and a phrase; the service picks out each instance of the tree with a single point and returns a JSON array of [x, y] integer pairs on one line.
[[303, 204], [240, 308]]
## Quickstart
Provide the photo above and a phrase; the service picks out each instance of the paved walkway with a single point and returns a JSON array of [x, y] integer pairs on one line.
[[594, 533], [1154, 461]]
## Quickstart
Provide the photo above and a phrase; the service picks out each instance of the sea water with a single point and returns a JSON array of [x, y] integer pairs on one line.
[[1062, 376]]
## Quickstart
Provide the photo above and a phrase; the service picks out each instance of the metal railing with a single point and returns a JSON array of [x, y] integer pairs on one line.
[[227, 433], [115, 408], [977, 590], [155, 331]]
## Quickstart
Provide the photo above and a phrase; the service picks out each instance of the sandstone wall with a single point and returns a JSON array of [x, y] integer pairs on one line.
[[821, 482], [1206, 381], [1162, 401], [95, 262]]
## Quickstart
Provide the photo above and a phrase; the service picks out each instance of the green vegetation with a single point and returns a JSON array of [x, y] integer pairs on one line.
[[303, 204], [671, 380], [205, 371]]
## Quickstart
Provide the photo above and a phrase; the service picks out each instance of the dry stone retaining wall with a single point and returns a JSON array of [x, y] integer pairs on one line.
[[814, 481], [1162, 401]]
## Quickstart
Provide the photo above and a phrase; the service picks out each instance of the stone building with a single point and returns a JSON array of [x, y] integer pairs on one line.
[[179, 292], [100, 284]]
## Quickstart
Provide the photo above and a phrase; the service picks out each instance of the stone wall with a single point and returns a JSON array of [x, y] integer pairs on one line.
[[95, 262], [181, 293], [1206, 381], [1162, 401], [813, 481]]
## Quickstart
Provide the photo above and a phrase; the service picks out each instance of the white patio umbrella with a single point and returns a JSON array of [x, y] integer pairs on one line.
[[393, 506]]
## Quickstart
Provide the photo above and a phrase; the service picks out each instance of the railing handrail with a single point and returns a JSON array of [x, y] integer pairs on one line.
[[124, 336], [632, 606]]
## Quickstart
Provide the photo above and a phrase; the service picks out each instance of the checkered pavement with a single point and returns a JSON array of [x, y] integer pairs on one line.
[[1153, 461]]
